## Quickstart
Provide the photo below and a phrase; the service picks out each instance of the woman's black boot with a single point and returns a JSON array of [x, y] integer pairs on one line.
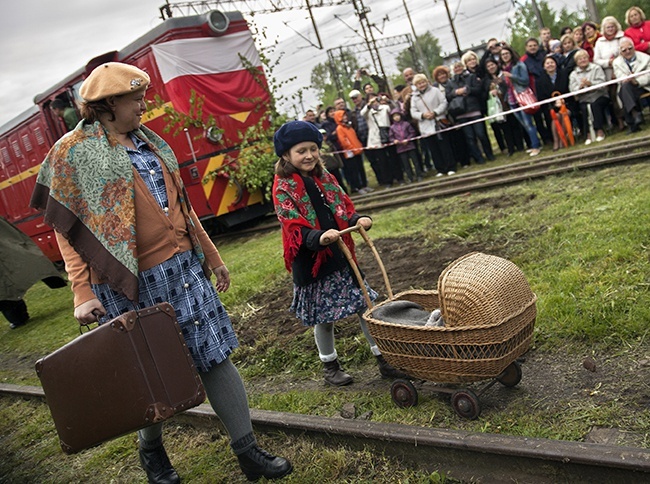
[[156, 464], [256, 463]]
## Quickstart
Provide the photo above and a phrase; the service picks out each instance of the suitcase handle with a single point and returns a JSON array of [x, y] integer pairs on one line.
[[355, 267]]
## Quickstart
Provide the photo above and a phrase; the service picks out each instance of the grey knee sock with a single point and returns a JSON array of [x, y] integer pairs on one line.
[[324, 336], [150, 437], [227, 396], [366, 333]]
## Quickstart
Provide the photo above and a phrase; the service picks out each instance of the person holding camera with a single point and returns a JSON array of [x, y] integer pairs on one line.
[[492, 52], [368, 88], [377, 116]]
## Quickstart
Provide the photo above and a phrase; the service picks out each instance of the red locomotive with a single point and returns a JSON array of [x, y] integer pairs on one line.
[[201, 67]]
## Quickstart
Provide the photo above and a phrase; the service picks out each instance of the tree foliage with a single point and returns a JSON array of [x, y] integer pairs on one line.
[[617, 8], [324, 76], [430, 47], [524, 23]]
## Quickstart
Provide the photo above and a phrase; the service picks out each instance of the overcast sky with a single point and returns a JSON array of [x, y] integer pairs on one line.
[[43, 41]]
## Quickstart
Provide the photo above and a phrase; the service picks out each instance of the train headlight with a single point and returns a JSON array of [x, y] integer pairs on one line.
[[218, 21], [214, 134]]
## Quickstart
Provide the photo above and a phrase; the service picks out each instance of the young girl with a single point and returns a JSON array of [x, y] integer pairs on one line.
[[402, 133], [312, 208]]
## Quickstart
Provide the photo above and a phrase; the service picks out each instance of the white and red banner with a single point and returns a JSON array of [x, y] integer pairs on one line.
[[212, 66]]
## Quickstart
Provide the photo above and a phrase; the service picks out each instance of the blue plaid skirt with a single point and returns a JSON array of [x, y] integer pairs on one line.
[[181, 282], [335, 296]]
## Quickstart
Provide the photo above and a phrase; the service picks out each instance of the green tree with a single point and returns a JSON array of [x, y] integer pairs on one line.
[[334, 79], [617, 8], [430, 47], [524, 23]]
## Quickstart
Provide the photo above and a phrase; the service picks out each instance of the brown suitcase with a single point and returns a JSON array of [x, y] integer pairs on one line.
[[125, 375]]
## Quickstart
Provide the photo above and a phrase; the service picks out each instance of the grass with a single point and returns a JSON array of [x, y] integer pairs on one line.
[[580, 238]]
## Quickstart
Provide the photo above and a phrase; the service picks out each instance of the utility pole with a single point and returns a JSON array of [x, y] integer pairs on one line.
[[418, 49], [453, 29], [592, 8], [362, 12], [538, 15]]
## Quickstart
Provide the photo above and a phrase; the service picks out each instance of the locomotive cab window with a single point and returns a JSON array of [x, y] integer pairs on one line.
[[65, 115]]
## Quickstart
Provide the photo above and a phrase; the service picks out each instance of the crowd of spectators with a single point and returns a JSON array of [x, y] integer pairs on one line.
[[409, 131]]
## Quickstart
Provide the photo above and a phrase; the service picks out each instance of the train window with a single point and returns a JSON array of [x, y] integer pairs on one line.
[[38, 132], [16, 147], [75, 91], [27, 144], [6, 157]]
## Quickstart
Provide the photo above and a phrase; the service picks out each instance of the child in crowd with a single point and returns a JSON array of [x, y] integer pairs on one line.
[[402, 133], [312, 209], [353, 169]]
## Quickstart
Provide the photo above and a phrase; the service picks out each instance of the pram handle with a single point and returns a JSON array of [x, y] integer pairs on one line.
[[355, 267]]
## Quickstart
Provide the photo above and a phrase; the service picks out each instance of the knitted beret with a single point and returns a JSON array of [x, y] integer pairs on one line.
[[113, 79], [294, 132]]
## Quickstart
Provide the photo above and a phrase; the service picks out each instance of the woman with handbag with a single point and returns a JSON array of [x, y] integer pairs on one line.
[[519, 94], [466, 88], [112, 190], [429, 107]]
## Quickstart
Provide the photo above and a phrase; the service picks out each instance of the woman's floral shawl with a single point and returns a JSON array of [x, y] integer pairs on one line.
[[87, 192], [295, 210]]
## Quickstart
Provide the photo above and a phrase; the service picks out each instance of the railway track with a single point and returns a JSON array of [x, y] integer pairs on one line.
[[621, 152], [465, 456]]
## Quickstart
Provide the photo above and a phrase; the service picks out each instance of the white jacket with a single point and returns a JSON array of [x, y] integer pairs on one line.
[[375, 118], [641, 63], [595, 75], [431, 100], [604, 50]]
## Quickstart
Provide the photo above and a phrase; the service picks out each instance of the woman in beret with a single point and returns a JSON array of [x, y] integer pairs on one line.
[[112, 190]]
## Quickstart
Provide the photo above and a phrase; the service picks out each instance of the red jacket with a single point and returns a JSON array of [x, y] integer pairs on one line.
[[347, 137], [640, 35]]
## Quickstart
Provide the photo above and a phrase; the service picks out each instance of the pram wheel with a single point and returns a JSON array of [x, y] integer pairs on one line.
[[404, 393], [511, 375], [466, 404]]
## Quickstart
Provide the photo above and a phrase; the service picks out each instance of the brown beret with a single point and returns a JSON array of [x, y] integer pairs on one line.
[[113, 79]]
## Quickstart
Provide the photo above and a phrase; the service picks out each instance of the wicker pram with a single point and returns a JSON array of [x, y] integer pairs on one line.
[[489, 312]]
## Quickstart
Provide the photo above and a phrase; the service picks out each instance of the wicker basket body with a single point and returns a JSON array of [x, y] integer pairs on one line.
[[491, 324]]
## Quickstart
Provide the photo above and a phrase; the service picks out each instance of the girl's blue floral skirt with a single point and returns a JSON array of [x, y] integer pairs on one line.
[[334, 297]]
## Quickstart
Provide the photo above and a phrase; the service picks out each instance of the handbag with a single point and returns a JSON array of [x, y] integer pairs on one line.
[[384, 131], [383, 135], [495, 108], [526, 98], [457, 106]]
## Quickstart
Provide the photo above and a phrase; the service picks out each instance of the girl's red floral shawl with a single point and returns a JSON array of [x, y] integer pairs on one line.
[[295, 210]]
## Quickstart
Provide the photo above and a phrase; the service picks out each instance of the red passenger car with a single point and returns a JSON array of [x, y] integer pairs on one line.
[[200, 67]]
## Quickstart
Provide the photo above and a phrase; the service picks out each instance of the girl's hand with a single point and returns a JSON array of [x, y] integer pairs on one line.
[[223, 278], [365, 222], [329, 237], [89, 312]]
